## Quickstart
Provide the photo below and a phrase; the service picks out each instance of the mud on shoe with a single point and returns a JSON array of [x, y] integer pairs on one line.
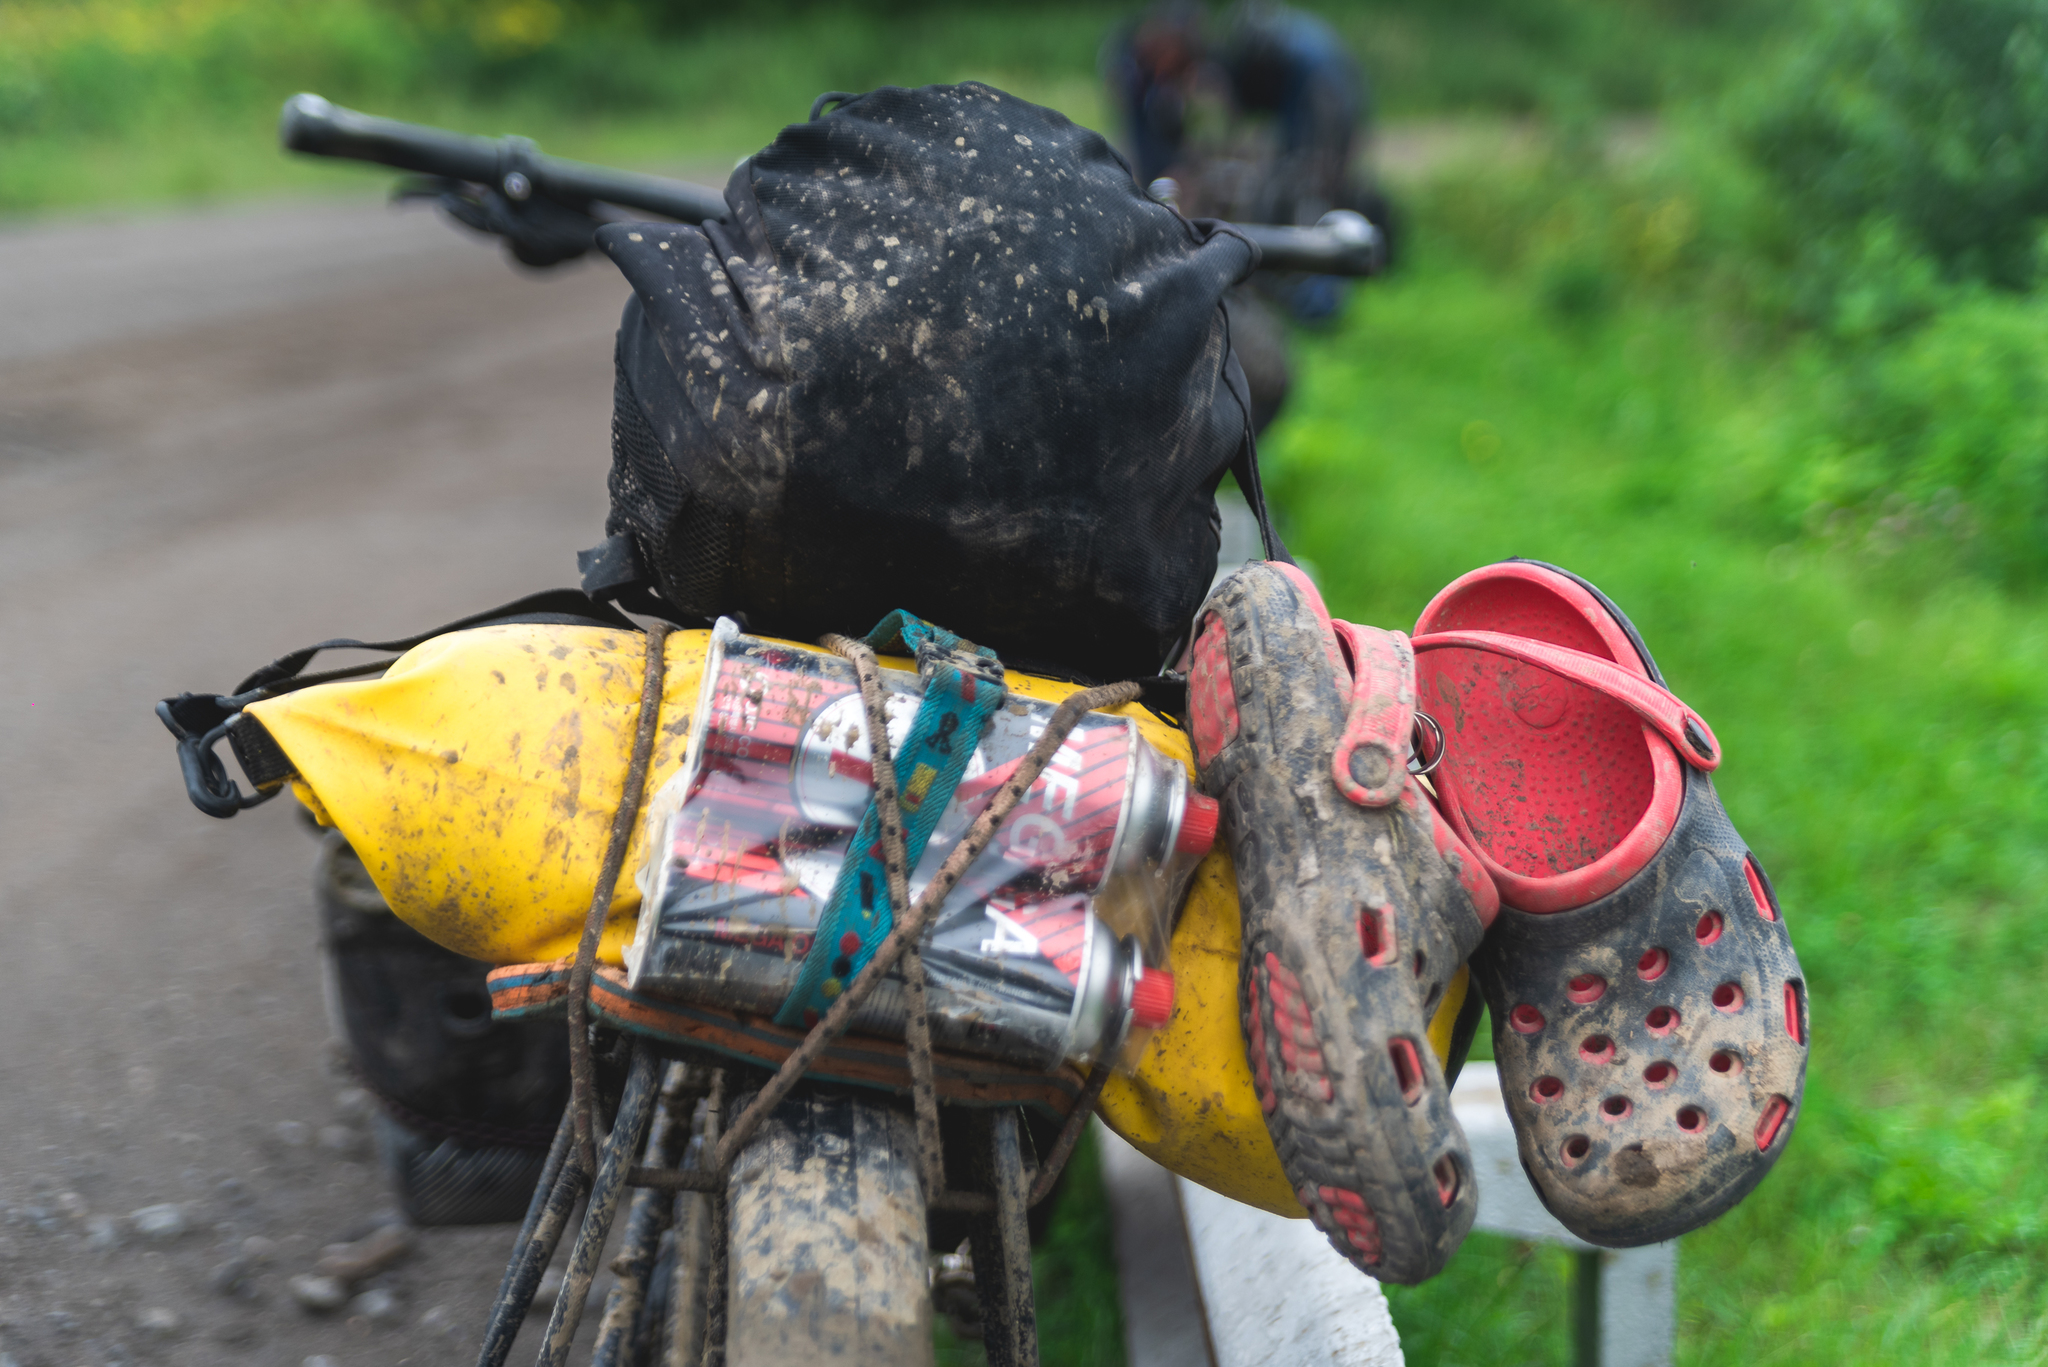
[[1354, 920], [1649, 1016]]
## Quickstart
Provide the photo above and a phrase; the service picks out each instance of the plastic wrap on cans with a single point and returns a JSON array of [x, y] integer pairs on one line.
[[1052, 946]]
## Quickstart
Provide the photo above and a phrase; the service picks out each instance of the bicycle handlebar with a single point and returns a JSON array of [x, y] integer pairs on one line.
[[511, 165], [1343, 243]]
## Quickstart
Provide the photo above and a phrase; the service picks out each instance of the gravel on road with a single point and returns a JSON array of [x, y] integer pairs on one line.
[[224, 435]]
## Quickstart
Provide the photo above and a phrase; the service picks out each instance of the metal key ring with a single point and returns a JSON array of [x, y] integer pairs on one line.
[[1423, 719]]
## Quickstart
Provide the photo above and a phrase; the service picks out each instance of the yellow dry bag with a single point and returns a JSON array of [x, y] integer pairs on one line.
[[478, 780]]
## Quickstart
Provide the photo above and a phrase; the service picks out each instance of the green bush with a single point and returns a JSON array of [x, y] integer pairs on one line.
[[1928, 114], [140, 100], [1916, 424], [108, 66], [1591, 226], [1946, 431], [110, 69]]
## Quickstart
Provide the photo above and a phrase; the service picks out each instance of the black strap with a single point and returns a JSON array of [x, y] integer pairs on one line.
[[610, 565], [200, 721], [827, 101], [1246, 470], [273, 678], [613, 572]]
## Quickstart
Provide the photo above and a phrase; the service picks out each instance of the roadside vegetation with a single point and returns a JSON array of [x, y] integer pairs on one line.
[[123, 102], [1777, 381], [1735, 310]]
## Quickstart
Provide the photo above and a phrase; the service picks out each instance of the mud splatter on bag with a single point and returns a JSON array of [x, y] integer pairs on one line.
[[945, 355]]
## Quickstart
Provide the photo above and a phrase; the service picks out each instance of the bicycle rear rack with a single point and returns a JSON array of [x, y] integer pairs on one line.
[[667, 1306]]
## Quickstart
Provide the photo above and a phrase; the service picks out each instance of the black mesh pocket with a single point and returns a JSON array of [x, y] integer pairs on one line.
[[646, 491], [699, 571], [690, 546]]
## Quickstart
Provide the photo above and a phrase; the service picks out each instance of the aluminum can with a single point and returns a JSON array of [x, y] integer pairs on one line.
[[1021, 963]]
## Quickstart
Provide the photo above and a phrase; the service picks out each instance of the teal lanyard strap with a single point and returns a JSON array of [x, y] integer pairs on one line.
[[963, 687]]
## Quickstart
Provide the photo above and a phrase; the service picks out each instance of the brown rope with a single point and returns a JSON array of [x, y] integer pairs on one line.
[[1070, 1134], [910, 930], [582, 1072], [924, 1095], [917, 1026], [718, 1241]]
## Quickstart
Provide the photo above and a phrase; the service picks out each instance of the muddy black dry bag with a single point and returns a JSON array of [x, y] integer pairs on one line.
[[942, 354]]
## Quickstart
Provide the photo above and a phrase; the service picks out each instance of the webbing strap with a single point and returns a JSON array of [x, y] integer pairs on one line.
[[963, 687], [200, 721], [1246, 470], [1686, 729], [1371, 761], [551, 602]]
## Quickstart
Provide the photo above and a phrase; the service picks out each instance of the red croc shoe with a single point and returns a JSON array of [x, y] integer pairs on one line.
[[1649, 1017], [1359, 905]]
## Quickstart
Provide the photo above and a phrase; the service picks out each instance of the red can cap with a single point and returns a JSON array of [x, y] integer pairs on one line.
[[1152, 998], [1197, 825]]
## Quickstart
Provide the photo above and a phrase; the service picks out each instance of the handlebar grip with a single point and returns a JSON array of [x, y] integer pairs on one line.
[[312, 125], [1341, 243]]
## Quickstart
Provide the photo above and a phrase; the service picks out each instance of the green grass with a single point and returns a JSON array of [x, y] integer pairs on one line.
[[1886, 722], [1503, 1303]]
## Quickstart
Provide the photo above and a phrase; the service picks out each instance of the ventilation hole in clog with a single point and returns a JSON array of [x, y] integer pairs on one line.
[[1775, 1111], [1587, 987], [1575, 1150], [1597, 1049], [1660, 1075], [1795, 1012], [1709, 928], [1662, 1021], [1421, 962], [1376, 935], [1545, 1090], [1725, 1062], [1652, 965], [1691, 1119], [1445, 1171], [1525, 1019], [1407, 1069], [1765, 907], [1728, 997], [1615, 1109]]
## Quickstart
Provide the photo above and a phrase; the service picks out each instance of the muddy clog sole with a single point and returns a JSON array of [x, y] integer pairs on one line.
[[1353, 924]]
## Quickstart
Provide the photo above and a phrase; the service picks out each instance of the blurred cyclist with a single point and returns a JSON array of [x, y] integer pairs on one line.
[[1272, 63]]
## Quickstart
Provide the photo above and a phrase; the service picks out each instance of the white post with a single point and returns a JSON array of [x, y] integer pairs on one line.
[[1208, 1281], [1163, 1324], [1628, 1317], [1270, 1291]]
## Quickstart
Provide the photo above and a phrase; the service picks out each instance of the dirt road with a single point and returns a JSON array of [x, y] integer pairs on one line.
[[223, 436]]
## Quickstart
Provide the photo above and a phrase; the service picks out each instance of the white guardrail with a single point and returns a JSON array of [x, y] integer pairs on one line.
[[1208, 1280]]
